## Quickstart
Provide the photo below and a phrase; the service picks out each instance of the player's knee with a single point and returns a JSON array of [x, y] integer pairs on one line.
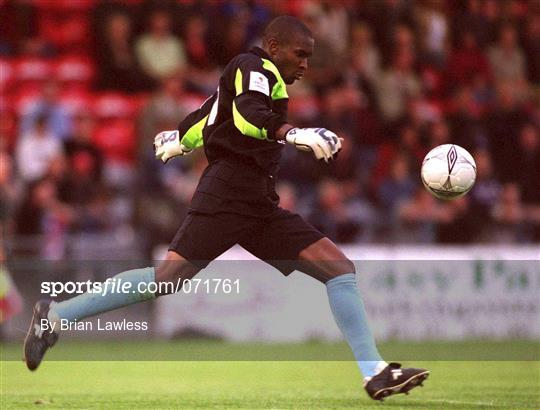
[[341, 267], [175, 269]]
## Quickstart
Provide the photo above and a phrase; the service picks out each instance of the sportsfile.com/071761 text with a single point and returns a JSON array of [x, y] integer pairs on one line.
[[116, 285]]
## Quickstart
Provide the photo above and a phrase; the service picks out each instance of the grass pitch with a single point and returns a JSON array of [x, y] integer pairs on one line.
[[253, 384]]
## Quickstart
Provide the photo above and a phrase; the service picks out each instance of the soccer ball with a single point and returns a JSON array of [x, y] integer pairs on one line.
[[448, 171]]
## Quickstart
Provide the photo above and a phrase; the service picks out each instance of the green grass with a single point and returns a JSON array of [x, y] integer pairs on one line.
[[253, 384]]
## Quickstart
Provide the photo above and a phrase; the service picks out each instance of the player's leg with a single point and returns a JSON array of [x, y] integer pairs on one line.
[[47, 316], [324, 261]]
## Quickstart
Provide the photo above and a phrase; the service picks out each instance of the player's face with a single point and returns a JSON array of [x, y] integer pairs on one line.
[[292, 59]]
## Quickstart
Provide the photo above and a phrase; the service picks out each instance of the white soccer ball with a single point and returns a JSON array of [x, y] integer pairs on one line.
[[448, 171]]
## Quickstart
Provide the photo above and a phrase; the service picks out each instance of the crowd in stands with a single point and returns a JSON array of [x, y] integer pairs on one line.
[[86, 84]]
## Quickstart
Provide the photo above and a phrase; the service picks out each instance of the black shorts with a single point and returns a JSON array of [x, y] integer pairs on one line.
[[276, 239]]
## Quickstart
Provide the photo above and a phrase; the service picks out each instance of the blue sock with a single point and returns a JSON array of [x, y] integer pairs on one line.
[[90, 304], [351, 318]]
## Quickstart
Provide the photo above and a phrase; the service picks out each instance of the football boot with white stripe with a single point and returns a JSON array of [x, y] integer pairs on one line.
[[394, 380]]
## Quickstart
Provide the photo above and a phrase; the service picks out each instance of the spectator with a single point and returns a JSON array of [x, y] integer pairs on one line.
[[509, 215], [23, 27], [203, 70], [196, 45], [118, 68], [48, 106], [491, 10], [36, 150], [332, 23], [81, 153], [439, 134], [345, 167], [472, 19], [459, 227], [10, 192], [341, 105], [41, 212], [464, 120], [484, 196], [418, 217], [325, 63], [532, 48], [397, 187], [433, 31], [258, 14], [397, 84], [403, 39], [529, 164], [331, 214], [408, 145], [85, 164], [364, 54], [503, 124], [159, 52], [116, 140], [165, 108], [366, 117], [386, 16], [466, 62], [235, 41], [507, 58]]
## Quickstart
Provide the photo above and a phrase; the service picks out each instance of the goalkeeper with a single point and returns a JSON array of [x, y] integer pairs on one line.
[[243, 129]]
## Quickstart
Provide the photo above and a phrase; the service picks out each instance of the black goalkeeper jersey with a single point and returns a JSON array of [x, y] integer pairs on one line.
[[239, 121], [237, 127]]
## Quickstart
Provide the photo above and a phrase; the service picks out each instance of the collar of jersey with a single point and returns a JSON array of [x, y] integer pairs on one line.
[[260, 53]]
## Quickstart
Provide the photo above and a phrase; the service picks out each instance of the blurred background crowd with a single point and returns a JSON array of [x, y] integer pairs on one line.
[[86, 85]]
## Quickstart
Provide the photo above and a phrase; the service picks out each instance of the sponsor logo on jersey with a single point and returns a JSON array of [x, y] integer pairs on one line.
[[259, 82]]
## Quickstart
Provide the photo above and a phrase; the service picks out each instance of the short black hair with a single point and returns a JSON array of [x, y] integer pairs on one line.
[[284, 28]]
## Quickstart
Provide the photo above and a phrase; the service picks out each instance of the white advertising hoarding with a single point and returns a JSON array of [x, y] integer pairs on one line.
[[412, 293]]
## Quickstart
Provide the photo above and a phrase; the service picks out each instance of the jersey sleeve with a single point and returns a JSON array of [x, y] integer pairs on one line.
[[255, 89], [191, 127]]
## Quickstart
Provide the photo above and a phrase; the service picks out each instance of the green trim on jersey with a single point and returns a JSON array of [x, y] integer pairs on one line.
[[279, 90], [238, 82], [245, 127], [193, 138]]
